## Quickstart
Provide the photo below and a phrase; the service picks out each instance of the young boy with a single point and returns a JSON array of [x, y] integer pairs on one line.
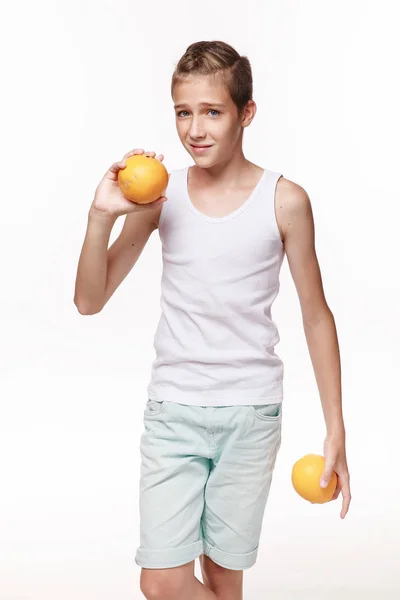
[[214, 411]]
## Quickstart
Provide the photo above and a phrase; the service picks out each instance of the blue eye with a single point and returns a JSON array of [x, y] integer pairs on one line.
[[180, 113]]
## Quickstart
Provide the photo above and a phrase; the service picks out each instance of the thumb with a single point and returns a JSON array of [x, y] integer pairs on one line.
[[326, 475]]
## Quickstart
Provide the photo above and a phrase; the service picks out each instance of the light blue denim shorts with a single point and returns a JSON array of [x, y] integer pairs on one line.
[[205, 477]]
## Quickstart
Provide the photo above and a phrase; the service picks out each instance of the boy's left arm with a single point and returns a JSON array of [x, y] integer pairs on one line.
[[296, 223]]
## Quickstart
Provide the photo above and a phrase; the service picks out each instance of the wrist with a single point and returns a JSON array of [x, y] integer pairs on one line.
[[101, 216], [336, 433]]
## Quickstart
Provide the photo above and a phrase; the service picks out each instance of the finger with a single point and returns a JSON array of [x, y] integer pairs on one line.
[[326, 475], [115, 167], [346, 499], [336, 492], [132, 152], [112, 172], [150, 154], [155, 203], [345, 505], [160, 157], [160, 200]]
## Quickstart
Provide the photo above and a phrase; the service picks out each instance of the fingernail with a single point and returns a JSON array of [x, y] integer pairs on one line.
[[323, 483]]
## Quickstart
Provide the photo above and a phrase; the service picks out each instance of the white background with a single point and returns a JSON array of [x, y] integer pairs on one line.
[[83, 83]]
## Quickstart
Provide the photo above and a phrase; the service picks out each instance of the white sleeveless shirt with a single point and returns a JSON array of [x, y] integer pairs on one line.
[[215, 338]]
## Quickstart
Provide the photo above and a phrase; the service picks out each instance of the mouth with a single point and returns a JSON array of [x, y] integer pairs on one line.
[[200, 149]]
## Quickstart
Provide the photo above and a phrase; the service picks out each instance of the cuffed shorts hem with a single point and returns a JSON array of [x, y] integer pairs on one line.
[[235, 562], [166, 558]]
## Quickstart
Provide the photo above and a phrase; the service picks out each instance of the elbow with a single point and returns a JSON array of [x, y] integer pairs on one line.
[[86, 310], [312, 319]]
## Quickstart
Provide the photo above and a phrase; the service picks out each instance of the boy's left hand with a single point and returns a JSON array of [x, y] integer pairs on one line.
[[335, 460]]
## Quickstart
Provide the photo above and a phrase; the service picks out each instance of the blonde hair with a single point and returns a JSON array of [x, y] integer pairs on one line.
[[221, 61]]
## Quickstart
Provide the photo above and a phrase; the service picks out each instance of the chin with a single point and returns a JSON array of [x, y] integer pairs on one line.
[[203, 163], [202, 159]]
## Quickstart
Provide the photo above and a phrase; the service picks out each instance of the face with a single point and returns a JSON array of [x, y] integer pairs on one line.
[[207, 120]]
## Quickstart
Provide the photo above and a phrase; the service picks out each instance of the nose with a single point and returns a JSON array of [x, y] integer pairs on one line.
[[196, 131]]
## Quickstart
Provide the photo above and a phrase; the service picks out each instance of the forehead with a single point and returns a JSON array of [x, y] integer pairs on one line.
[[201, 91]]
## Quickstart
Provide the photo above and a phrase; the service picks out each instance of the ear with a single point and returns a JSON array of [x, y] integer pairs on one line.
[[248, 113]]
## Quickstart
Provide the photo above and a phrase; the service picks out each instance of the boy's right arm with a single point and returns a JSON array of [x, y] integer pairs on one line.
[[101, 269]]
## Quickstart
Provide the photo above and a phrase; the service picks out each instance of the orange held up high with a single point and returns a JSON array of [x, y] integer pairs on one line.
[[144, 179]]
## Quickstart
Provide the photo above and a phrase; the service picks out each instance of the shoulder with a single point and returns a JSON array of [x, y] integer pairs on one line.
[[291, 195], [292, 202]]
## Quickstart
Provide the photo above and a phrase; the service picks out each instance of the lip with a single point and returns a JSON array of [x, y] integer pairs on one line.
[[200, 149]]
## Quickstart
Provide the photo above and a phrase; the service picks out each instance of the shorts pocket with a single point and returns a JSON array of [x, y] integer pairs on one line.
[[153, 408], [267, 412]]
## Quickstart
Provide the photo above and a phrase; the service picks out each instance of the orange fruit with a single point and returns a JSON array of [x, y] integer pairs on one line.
[[144, 179], [306, 475]]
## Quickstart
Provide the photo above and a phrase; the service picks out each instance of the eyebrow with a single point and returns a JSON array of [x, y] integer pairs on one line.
[[201, 104]]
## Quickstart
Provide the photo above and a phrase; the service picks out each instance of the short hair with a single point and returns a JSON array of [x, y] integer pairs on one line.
[[222, 61]]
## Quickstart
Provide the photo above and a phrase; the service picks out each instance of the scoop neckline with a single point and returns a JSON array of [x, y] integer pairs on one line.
[[230, 215]]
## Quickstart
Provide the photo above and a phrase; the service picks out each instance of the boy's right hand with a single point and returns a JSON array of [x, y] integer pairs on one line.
[[109, 199]]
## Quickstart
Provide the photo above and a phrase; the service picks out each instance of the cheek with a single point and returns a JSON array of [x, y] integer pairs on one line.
[[180, 128], [226, 135], [234, 133]]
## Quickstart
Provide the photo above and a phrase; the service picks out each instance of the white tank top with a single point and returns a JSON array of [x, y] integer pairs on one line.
[[215, 338]]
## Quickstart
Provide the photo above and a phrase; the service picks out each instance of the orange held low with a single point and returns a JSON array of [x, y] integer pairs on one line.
[[306, 476], [144, 179]]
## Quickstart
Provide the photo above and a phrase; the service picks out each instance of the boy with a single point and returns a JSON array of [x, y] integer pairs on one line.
[[214, 411]]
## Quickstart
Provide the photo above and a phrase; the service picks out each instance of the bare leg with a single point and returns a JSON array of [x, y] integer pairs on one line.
[[227, 584], [177, 583], [199, 591]]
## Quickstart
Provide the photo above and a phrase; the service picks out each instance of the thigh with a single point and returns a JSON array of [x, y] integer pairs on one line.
[[172, 479], [238, 487]]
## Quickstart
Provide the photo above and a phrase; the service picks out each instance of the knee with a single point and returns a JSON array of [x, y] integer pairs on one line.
[[162, 584], [209, 566], [220, 579]]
